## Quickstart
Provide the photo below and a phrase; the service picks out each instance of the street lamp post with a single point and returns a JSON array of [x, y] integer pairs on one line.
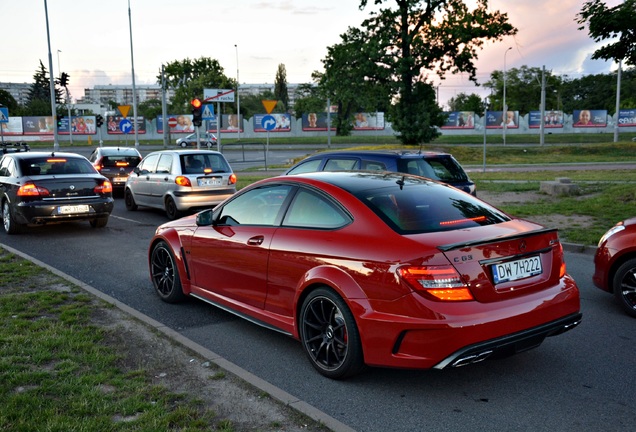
[[505, 107]]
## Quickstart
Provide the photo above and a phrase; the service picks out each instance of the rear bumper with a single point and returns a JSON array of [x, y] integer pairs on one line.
[[510, 344], [187, 201]]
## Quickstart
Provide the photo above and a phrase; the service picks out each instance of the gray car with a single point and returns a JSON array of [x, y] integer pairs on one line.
[[206, 140], [180, 181]]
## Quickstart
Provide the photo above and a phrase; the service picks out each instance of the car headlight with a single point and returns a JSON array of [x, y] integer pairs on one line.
[[611, 232]]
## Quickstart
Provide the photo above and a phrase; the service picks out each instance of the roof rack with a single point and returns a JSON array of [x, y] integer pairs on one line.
[[14, 147]]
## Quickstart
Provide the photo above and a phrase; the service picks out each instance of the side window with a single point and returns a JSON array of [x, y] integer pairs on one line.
[[372, 166], [311, 210], [309, 166], [147, 165], [4, 167], [341, 165], [259, 206], [165, 164]]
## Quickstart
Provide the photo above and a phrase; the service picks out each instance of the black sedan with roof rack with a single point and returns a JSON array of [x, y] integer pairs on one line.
[[47, 187]]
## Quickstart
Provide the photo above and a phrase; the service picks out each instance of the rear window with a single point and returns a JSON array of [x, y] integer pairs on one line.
[[204, 163], [421, 207], [51, 165], [120, 160], [444, 169]]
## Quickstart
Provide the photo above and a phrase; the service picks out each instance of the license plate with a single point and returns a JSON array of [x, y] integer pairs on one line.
[[209, 181], [518, 269], [119, 179], [72, 209]]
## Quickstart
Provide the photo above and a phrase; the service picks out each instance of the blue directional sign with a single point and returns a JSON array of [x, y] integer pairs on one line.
[[268, 122], [4, 115], [125, 126]]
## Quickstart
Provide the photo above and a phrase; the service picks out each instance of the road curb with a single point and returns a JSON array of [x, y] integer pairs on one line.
[[579, 248], [275, 392]]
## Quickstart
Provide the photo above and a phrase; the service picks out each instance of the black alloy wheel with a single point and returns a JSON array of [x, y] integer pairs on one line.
[[129, 200], [164, 274], [625, 286], [329, 335]]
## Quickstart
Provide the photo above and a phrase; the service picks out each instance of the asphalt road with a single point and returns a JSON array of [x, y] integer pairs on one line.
[[583, 380]]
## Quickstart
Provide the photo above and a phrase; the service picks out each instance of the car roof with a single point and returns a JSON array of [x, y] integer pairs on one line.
[[188, 151], [358, 181], [388, 154], [118, 150], [40, 154]]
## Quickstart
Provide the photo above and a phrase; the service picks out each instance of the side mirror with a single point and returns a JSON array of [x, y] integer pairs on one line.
[[204, 218], [136, 170]]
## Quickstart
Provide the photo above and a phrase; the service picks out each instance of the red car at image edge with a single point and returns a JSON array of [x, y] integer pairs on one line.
[[372, 269]]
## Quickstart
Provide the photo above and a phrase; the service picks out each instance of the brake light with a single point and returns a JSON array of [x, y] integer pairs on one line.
[[104, 188], [232, 179], [439, 282], [56, 160], [562, 268], [183, 181], [31, 190], [121, 164]]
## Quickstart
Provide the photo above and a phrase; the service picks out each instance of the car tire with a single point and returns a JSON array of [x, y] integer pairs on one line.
[[100, 222], [8, 221], [164, 273], [184, 144], [329, 335], [624, 285], [171, 209], [129, 200]]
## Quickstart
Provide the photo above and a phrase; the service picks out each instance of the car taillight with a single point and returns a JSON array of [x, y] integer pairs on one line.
[[183, 181], [562, 269], [439, 282], [98, 164], [232, 179], [106, 187], [31, 190], [121, 164]]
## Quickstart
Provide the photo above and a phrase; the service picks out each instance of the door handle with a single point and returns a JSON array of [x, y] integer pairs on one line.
[[256, 241]]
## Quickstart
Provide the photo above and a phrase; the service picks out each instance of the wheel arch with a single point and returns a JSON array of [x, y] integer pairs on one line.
[[171, 238], [624, 257], [337, 280]]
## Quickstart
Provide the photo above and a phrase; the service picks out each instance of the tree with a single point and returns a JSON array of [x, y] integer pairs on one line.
[[280, 87], [523, 89], [611, 23], [308, 99], [150, 108], [464, 102], [7, 100], [421, 36], [189, 77], [351, 80], [39, 99]]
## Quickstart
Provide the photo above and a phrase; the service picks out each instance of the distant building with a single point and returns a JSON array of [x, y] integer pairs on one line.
[[20, 92]]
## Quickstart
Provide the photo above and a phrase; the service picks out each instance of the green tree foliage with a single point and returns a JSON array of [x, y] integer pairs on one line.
[[427, 35], [39, 99], [189, 77], [616, 23], [308, 99], [7, 100], [351, 80], [465, 102], [523, 89], [280, 87], [253, 104], [150, 108]]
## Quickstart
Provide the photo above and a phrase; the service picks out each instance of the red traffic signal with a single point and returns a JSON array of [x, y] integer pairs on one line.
[[196, 111], [196, 103]]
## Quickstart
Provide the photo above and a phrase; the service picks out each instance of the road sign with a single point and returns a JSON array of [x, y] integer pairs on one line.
[[123, 109], [172, 122], [208, 112], [268, 122], [4, 115], [125, 126], [269, 105], [218, 95]]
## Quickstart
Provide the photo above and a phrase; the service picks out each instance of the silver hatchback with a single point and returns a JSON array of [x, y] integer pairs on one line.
[[180, 181]]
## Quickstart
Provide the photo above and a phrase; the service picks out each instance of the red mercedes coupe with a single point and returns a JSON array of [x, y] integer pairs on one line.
[[372, 268]]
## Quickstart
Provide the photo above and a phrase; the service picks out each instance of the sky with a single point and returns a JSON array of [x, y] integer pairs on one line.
[[91, 40]]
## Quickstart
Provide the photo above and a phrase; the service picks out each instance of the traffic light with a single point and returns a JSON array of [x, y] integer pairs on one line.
[[64, 79], [59, 121], [196, 111], [99, 120]]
